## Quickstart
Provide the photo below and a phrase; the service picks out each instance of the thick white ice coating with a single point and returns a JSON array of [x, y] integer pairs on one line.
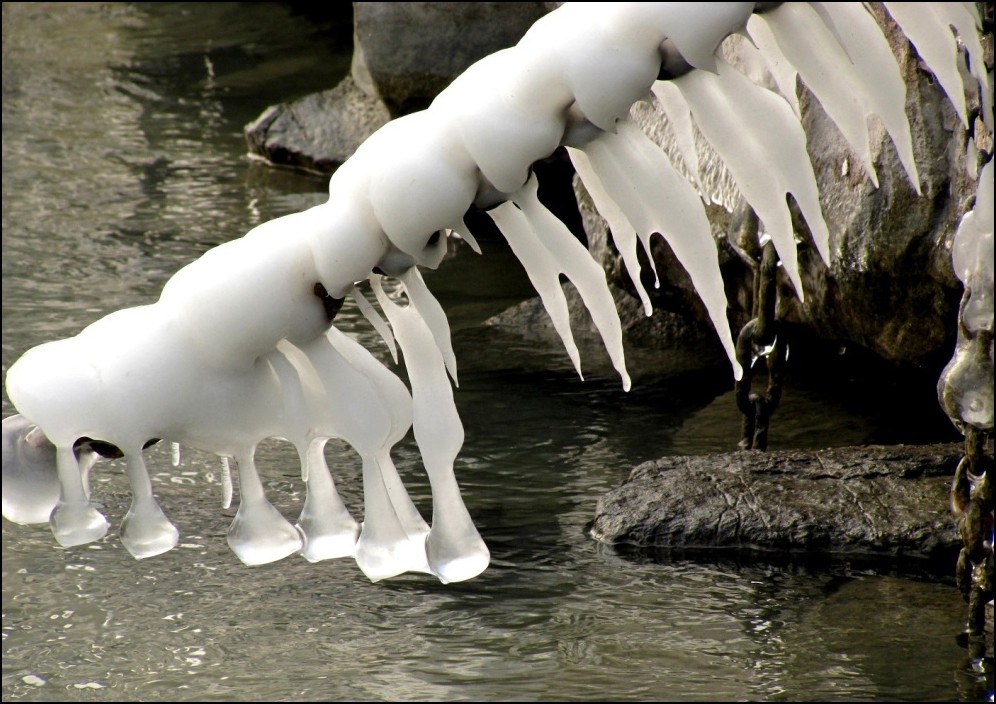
[[241, 345]]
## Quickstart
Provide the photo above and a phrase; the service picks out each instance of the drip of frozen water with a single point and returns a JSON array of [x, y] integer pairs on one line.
[[434, 317], [655, 198], [965, 387], [852, 79], [680, 119], [876, 75], [145, 530], [374, 318], [372, 410], [74, 520], [328, 529], [259, 533], [454, 548], [226, 483], [574, 261], [542, 270], [764, 147], [623, 233]]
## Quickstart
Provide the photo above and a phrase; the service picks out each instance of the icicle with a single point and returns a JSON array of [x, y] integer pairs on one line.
[[541, 270], [226, 483], [764, 147], [852, 79], [656, 198], [454, 547], [328, 529], [74, 520], [680, 118], [145, 530], [352, 396], [623, 233], [574, 261], [433, 315], [372, 410], [928, 27], [462, 231], [259, 533]]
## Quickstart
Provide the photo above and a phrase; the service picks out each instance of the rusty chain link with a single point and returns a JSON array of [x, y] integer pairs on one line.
[[761, 339], [972, 505]]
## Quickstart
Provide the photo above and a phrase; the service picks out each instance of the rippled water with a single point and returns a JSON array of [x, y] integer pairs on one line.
[[123, 159]]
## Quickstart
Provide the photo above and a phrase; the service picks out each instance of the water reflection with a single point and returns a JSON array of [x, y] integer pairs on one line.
[[123, 159]]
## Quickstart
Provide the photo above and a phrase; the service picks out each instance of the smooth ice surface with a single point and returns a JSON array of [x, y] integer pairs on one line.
[[764, 147], [656, 199], [454, 548], [574, 262]]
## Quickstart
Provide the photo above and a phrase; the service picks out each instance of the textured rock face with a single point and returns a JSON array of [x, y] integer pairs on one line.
[[871, 501], [890, 287], [318, 132], [406, 53]]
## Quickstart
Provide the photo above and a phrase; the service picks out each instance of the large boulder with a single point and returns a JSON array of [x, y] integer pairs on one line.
[[405, 53]]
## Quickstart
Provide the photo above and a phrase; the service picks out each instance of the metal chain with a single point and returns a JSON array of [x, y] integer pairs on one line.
[[761, 339], [972, 504]]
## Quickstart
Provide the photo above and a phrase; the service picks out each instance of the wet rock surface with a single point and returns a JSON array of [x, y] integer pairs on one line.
[[874, 501]]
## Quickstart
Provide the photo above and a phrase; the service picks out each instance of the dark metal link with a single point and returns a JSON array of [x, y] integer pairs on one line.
[[761, 339], [972, 504]]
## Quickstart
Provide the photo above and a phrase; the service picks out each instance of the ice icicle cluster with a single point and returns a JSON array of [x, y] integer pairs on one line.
[[242, 345]]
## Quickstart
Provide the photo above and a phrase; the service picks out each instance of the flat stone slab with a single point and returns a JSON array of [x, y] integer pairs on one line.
[[862, 501]]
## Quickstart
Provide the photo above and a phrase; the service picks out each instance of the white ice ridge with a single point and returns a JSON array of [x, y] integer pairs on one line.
[[241, 346]]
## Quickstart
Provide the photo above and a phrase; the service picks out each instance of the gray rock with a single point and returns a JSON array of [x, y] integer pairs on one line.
[[318, 132], [862, 501], [405, 53]]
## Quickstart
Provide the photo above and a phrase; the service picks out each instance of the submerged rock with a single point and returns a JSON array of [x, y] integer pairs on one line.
[[874, 501]]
